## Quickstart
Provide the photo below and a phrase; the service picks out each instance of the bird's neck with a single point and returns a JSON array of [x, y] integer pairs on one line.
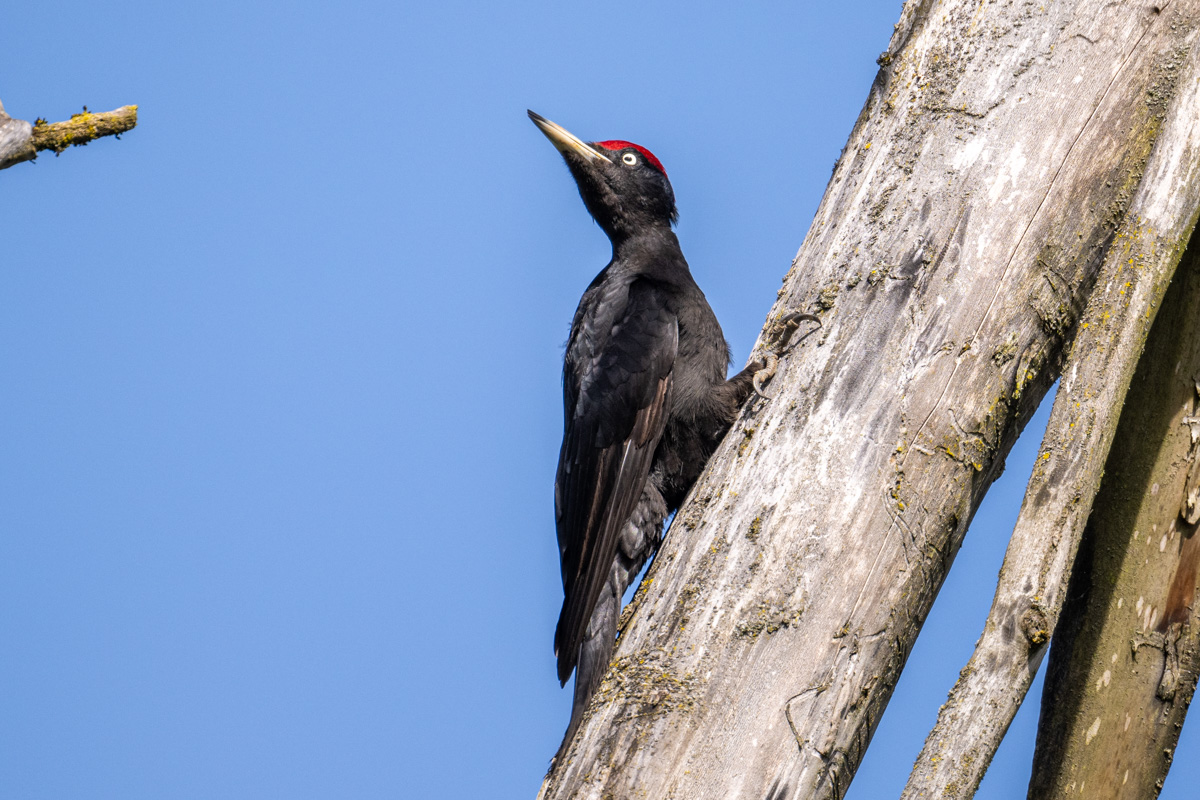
[[655, 244]]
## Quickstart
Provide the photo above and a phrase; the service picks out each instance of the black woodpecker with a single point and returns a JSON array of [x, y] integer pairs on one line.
[[645, 397]]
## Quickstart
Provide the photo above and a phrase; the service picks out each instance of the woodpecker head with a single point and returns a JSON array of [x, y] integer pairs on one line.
[[623, 185]]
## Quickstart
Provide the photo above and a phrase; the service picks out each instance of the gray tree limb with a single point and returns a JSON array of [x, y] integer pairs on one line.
[[1125, 656], [1032, 585], [16, 140]]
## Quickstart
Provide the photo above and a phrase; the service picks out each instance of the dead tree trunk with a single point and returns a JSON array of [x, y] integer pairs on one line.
[[1104, 352], [1124, 662], [983, 190]]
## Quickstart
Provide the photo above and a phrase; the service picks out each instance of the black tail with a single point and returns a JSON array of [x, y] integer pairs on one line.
[[640, 538], [595, 652]]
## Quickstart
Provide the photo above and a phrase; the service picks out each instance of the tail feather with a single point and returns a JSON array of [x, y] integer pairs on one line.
[[640, 537], [595, 652]]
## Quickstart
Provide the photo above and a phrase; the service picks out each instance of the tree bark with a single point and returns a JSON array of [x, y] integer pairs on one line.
[[958, 242], [16, 140], [20, 141], [1102, 360], [1124, 662]]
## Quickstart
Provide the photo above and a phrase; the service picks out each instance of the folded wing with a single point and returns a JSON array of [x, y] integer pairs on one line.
[[617, 385]]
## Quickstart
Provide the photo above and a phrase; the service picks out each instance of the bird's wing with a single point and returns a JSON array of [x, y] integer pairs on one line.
[[617, 384]]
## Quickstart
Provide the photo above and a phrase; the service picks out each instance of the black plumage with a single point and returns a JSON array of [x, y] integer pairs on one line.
[[645, 394]]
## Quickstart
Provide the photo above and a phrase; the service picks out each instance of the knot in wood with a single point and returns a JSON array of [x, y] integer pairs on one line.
[[1034, 626]]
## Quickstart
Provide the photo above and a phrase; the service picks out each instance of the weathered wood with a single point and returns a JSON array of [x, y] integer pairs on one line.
[[1125, 657], [16, 140], [958, 241], [20, 141], [1029, 595]]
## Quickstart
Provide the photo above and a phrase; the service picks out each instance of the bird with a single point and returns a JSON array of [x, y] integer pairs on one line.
[[646, 399]]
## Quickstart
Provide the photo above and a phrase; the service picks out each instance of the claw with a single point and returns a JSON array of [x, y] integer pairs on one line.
[[782, 332], [765, 374], [788, 324]]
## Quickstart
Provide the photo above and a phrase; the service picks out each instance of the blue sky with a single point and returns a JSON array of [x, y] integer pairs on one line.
[[281, 402]]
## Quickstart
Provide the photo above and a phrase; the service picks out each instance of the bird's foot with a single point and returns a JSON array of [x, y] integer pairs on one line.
[[764, 374], [778, 339]]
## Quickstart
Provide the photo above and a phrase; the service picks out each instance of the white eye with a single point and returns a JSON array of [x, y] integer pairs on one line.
[[629, 158]]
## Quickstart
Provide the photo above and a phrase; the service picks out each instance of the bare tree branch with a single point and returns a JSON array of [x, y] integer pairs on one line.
[[1057, 502], [1125, 656], [20, 141]]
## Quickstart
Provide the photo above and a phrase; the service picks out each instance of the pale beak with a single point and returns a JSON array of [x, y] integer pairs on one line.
[[565, 141]]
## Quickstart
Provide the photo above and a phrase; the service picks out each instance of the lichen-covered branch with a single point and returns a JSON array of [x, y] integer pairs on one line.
[[82, 128], [1125, 656], [20, 141], [962, 235], [1102, 360]]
